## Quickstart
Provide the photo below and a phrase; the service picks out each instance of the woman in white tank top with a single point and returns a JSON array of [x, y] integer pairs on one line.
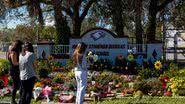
[[79, 60]]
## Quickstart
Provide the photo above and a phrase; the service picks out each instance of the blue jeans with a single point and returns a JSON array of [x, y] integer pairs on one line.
[[81, 78]]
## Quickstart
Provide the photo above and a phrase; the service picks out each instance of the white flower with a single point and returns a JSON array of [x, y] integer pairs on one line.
[[95, 58], [90, 53]]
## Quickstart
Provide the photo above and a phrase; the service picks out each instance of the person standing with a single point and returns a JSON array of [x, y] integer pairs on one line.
[[13, 57], [79, 60], [27, 73]]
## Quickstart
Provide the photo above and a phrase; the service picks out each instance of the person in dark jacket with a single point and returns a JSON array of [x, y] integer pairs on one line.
[[13, 57]]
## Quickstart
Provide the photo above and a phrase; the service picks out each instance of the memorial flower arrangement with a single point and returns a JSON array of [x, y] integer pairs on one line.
[[91, 58], [103, 83], [47, 91], [5, 91]]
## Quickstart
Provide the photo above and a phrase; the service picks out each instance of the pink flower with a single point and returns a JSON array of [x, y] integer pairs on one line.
[[111, 83], [46, 91], [167, 93]]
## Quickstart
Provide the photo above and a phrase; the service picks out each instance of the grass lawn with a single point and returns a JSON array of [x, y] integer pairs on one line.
[[126, 100], [145, 100]]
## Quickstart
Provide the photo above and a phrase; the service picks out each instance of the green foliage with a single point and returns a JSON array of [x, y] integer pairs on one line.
[[43, 72], [173, 66], [141, 86], [101, 65], [25, 33], [48, 32], [150, 86], [155, 86], [63, 33], [10, 81], [4, 66], [69, 65], [138, 93], [148, 73], [44, 68], [58, 79], [71, 75], [1, 83]]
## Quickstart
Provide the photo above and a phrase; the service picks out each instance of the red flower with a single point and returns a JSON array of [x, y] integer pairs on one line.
[[5, 79], [164, 85], [120, 56]]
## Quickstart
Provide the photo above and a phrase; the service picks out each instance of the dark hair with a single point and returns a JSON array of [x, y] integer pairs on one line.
[[17, 46], [28, 47]]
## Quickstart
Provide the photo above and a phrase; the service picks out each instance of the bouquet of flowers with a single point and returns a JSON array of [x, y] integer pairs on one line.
[[91, 58], [36, 92], [47, 92]]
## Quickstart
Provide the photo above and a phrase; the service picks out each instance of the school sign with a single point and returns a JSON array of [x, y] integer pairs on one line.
[[102, 42]]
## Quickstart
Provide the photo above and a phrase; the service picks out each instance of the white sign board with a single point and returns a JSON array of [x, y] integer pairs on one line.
[[102, 42]]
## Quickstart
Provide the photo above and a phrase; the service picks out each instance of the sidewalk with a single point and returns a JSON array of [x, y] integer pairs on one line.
[[3, 55]]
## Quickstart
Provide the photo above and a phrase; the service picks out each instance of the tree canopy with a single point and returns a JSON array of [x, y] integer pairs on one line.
[[138, 18]]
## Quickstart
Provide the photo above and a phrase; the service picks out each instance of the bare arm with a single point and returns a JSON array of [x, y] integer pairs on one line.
[[13, 56]]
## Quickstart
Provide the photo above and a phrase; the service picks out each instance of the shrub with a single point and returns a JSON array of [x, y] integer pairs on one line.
[[149, 73], [43, 72], [155, 86], [44, 68], [69, 65], [100, 65], [4, 66]]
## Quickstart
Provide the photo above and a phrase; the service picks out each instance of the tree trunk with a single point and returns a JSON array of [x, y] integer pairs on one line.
[[117, 17], [154, 8], [39, 13], [76, 21], [139, 30], [76, 27], [151, 29], [62, 28]]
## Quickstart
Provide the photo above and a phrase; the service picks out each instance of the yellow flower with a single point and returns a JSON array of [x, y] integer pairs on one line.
[[130, 57], [38, 84], [172, 86], [61, 76], [50, 58], [158, 65]]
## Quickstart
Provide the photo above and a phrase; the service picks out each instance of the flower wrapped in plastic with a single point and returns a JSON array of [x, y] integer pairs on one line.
[[47, 92], [5, 91], [36, 92], [67, 98]]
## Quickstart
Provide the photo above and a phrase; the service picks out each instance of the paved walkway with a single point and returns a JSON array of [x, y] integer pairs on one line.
[[3, 55]]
